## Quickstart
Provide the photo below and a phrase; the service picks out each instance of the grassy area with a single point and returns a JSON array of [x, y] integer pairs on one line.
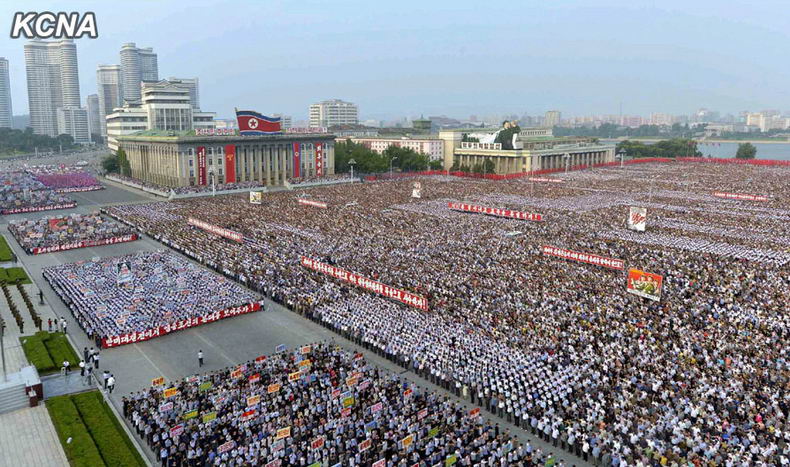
[[5, 250], [13, 276], [97, 436], [46, 351]]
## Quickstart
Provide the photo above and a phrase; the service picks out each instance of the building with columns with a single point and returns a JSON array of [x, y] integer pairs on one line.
[[173, 158], [536, 149]]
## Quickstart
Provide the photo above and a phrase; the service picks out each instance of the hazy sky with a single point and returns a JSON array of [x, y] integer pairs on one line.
[[399, 58]]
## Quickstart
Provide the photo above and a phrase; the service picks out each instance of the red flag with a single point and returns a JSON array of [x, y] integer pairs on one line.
[[230, 163]]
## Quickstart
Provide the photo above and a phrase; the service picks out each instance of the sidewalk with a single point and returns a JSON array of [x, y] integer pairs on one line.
[[27, 437]]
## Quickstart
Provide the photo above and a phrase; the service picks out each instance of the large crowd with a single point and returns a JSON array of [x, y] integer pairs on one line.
[[65, 232], [559, 347], [140, 292], [41, 188], [319, 404], [65, 178]]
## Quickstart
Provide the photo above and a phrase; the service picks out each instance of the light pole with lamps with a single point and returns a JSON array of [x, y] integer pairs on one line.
[[351, 164]]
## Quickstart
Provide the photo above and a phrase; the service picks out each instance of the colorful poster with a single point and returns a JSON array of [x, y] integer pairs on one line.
[[407, 441], [191, 414], [644, 284], [317, 443], [283, 433], [226, 446], [402, 296], [273, 388], [207, 417], [230, 163], [637, 218], [176, 430], [527, 216], [297, 160], [319, 159], [201, 164], [584, 257], [124, 274], [416, 191], [256, 197], [253, 400], [216, 230], [170, 392], [156, 382]]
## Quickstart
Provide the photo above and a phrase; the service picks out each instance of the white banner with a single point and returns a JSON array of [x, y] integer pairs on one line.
[[308, 202], [637, 218]]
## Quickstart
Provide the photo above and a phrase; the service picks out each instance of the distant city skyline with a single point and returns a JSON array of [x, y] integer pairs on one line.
[[398, 61]]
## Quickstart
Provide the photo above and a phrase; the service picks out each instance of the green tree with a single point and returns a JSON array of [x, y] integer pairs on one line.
[[746, 151], [123, 163], [435, 165], [478, 168], [110, 164], [489, 166], [455, 167]]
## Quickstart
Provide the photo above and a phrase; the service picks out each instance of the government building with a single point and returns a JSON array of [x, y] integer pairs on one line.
[[533, 149], [198, 157]]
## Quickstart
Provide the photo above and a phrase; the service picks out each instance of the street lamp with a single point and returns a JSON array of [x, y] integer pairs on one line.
[[391, 160], [352, 163]]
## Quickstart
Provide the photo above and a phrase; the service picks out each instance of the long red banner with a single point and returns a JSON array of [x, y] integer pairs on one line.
[[317, 204], [402, 296], [319, 159], [230, 163], [584, 257], [297, 159], [201, 165], [84, 244], [39, 208], [140, 336], [527, 216], [216, 230], [740, 196]]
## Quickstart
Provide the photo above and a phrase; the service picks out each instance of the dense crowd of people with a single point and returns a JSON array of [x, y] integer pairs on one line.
[[41, 188], [559, 347], [208, 188], [139, 292], [64, 178], [318, 404], [65, 232]]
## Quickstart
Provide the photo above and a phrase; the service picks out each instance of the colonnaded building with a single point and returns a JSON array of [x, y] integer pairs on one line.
[[203, 156], [532, 149]]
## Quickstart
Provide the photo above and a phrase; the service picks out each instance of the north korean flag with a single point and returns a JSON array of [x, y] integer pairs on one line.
[[253, 123]]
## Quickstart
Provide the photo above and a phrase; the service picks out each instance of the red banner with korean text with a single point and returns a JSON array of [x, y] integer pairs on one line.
[[201, 165], [644, 284], [740, 196], [140, 336], [84, 244], [402, 296], [230, 163], [584, 257], [319, 159], [527, 216], [216, 230], [297, 160]]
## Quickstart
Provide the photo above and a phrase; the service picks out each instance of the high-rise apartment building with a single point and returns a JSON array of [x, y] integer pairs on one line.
[[110, 88], [333, 112], [137, 65], [94, 117], [285, 121], [53, 89], [6, 113], [552, 118], [191, 84]]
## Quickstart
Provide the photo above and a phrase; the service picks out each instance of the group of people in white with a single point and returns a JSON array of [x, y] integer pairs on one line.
[[559, 347], [64, 231], [134, 293]]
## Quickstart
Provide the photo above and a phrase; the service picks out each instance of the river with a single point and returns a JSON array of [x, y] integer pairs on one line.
[[778, 151]]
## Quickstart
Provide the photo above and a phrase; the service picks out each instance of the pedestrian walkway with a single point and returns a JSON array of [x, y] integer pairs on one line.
[[28, 437], [59, 385]]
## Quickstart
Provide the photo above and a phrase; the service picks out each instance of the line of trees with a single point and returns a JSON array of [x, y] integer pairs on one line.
[[746, 151], [14, 141], [610, 130], [486, 167], [368, 161], [117, 163], [676, 147]]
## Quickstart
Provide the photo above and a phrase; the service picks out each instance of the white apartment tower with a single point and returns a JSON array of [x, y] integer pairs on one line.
[[109, 85], [333, 112], [137, 65], [53, 89], [6, 113], [94, 116], [552, 118], [192, 85]]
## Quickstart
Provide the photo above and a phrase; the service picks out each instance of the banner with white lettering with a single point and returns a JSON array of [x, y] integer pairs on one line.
[[216, 230], [139, 336], [319, 159], [584, 257], [201, 164], [309, 202], [402, 296], [520, 215], [83, 244], [637, 218]]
